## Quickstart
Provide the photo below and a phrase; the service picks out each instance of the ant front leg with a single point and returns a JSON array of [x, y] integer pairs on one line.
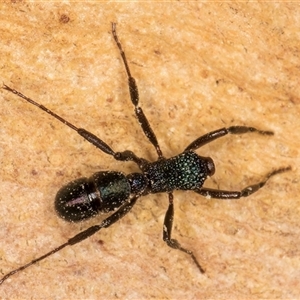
[[134, 95], [116, 216], [167, 231], [227, 195], [211, 136]]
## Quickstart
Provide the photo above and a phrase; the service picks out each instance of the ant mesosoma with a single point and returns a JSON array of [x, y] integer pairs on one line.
[[115, 192]]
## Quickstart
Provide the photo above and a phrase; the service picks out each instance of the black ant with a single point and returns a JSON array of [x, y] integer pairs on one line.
[[111, 191]]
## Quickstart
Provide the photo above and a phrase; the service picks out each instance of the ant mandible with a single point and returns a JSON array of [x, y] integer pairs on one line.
[[111, 191]]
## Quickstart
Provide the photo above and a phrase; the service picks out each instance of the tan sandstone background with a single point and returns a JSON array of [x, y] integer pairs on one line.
[[199, 66]]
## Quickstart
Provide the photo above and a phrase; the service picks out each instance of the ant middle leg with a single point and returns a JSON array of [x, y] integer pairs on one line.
[[213, 135], [167, 231], [134, 96], [227, 195]]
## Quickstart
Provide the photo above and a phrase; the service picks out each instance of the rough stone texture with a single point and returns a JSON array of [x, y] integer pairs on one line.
[[199, 67]]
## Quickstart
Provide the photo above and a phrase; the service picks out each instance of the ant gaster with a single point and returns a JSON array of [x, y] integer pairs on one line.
[[116, 192]]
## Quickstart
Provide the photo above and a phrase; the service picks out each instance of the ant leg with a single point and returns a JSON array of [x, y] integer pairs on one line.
[[211, 136], [90, 137], [225, 195], [134, 95], [116, 216], [167, 231]]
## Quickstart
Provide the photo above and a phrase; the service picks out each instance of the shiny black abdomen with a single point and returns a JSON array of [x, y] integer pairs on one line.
[[84, 198]]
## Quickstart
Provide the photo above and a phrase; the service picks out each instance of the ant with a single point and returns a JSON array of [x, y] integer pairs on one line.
[[117, 193]]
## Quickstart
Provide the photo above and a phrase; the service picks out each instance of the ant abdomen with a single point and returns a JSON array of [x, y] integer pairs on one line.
[[84, 198]]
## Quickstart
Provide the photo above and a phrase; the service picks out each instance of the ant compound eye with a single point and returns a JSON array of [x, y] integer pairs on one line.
[[210, 167]]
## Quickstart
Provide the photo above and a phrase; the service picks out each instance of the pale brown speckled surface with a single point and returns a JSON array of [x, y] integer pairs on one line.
[[199, 66]]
